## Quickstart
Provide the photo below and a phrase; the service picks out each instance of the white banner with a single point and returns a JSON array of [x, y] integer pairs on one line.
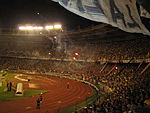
[[144, 13], [122, 14]]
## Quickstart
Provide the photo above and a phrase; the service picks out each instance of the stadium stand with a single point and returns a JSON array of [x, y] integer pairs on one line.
[[124, 87]]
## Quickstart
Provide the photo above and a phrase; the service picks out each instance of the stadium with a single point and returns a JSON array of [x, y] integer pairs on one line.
[[97, 69]]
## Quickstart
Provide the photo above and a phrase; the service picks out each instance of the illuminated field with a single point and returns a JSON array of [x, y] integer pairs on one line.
[[57, 98]]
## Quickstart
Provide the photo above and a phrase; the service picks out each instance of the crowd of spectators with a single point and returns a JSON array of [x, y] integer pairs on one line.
[[57, 47], [117, 50], [129, 89], [25, 46]]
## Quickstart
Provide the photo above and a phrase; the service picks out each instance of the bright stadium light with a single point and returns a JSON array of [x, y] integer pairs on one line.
[[29, 28], [58, 26], [22, 28], [49, 27], [35, 27], [40, 27]]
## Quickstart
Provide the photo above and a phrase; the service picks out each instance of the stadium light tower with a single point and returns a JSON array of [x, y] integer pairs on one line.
[[57, 26], [27, 28], [50, 27], [47, 27], [22, 28]]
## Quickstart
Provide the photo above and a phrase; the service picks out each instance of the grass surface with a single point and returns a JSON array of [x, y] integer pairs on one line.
[[7, 96], [10, 95], [1, 72], [9, 75]]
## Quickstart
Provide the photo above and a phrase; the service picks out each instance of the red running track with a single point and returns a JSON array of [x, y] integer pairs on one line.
[[58, 97]]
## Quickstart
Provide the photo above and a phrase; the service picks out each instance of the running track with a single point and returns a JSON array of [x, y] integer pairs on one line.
[[58, 97]]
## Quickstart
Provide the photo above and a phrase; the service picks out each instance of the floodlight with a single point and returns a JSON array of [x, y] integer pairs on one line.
[[21, 28], [35, 27], [40, 27], [49, 27], [58, 26], [29, 28]]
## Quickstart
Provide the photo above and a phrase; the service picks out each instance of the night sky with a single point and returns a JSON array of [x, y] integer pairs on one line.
[[14, 12]]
